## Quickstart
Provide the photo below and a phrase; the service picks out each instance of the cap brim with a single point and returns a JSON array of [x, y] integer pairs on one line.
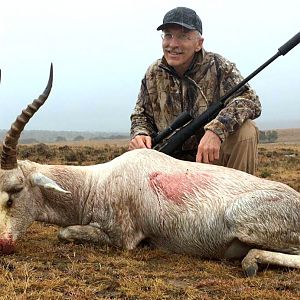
[[163, 26]]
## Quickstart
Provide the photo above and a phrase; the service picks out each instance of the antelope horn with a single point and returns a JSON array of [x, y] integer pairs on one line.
[[9, 149]]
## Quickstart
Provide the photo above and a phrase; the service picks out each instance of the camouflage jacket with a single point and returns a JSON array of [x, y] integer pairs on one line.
[[163, 96]]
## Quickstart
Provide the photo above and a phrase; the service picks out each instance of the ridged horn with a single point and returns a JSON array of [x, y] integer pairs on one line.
[[9, 150]]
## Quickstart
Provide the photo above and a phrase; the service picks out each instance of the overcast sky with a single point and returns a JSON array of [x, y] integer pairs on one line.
[[101, 49]]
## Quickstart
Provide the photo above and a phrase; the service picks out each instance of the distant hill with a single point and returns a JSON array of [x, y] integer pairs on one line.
[[291, 135], [47, 136]]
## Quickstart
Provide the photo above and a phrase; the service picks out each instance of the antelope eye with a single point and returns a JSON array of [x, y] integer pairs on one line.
[[16, 189], [9, 203]]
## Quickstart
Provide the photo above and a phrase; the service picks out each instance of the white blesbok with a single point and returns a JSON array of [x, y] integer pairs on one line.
[[185, 207]]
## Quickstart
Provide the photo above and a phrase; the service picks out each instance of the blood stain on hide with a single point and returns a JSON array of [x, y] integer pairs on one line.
[[175, 187]]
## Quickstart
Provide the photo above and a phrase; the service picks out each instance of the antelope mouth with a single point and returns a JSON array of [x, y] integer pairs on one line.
[[7, 246]]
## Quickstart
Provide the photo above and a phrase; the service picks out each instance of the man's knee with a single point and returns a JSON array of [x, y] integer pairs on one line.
[[248, 131], [239, 150]]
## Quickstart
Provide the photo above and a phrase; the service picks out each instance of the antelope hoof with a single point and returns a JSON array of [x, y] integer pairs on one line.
[[249, 264], [64, 235], [251, 270]]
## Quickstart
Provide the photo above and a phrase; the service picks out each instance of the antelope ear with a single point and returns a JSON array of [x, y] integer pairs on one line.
[[38, 179]]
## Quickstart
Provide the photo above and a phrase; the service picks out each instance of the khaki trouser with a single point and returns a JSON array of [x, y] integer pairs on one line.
[[238, 151]]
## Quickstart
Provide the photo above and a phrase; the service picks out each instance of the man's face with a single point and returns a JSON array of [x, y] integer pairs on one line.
[[179, 46]]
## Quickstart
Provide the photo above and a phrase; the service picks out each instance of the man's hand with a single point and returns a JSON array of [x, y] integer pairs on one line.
[[140, 141], [208, 148]]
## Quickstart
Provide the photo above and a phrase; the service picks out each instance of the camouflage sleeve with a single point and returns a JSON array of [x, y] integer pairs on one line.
[[142, 121], [243, 105]]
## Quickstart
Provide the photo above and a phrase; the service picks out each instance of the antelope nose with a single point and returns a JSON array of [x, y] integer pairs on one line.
[[7, 246]]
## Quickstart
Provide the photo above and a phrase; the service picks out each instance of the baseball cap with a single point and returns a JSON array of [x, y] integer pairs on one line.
[[183, 16]]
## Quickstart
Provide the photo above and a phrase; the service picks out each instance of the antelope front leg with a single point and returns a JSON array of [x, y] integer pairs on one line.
[[84, 233], [255, 256]]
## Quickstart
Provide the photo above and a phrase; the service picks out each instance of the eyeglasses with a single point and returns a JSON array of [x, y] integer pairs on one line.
[[183, 37]]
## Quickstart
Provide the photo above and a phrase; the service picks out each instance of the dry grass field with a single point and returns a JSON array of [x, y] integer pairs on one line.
[[45, 268]]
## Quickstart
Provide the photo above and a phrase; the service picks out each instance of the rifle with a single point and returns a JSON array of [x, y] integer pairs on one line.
[[172, 139]]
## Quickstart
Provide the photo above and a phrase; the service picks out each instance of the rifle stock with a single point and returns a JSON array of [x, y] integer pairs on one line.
[[178, 138]]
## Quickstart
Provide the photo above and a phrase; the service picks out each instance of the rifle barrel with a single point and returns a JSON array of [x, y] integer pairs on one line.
[[290, 44]]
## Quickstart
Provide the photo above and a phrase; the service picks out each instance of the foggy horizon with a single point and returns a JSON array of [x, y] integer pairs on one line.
[[101, 51]]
